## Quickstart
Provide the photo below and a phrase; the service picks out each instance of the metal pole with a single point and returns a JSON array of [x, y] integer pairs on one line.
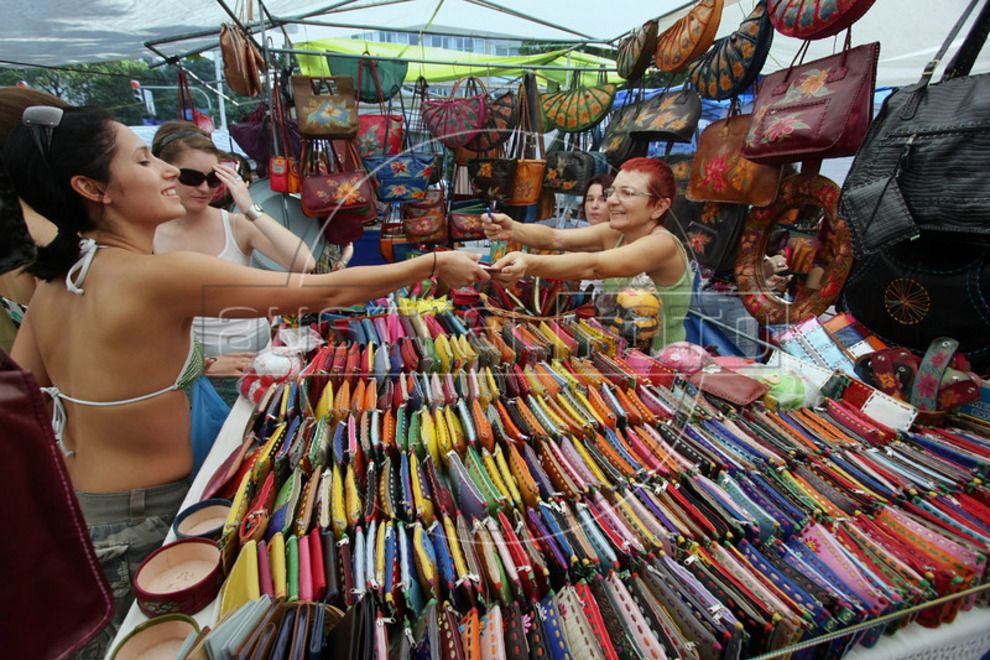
[[532, 19], [482, 65], [221, 106]]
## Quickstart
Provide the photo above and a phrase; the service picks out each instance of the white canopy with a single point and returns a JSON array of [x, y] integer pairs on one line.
[[54, 32]]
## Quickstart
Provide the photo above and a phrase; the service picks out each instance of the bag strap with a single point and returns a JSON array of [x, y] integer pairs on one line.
[[967, 47], [963, 61]]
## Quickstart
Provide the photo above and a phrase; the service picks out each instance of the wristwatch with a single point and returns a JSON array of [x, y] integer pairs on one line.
[[254, 212]]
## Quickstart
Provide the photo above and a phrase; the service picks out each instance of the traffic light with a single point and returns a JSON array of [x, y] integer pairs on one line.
[[136, 91]]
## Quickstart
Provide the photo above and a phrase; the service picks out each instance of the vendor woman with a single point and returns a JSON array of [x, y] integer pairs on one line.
[[633, 252]]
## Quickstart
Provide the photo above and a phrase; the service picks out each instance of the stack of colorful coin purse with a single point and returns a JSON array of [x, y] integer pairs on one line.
[[530, 487]]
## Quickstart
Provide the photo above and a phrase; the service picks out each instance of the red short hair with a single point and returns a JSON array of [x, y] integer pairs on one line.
[[660, 181]]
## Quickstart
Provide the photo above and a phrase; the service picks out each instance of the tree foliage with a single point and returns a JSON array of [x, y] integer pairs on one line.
[[107, 85]]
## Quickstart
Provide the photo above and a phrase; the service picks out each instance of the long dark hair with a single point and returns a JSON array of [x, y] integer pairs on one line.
[[83, 144]]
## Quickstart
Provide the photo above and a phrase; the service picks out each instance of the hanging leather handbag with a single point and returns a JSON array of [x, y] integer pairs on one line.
[[579, 108], [336, 187], [242, 62], [426, 221], [424, 140], [719, 173], [688, 38], [530, 154], [618, 145], [325, 106], [492, 178], [915, 290], [814, 110], [671, 117], [912, 174], [47, 518], [390, 74], [401, 178], [636, 51], [714, 236], [186, 107], [501, 120], [815, 19], [455, 120], [568, 171], [283, 170], [735, 61]]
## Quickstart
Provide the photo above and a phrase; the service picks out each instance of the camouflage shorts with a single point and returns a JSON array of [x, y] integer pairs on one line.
[[125, 528]]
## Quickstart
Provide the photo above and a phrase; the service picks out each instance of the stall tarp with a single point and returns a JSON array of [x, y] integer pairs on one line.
[[462, 63]]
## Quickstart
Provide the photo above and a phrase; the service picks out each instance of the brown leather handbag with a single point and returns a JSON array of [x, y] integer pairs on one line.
[[528, 140], [326, 106], [636, 51], [242, 63], [671, 116], [815, 110], [688, 38], [719, 173]]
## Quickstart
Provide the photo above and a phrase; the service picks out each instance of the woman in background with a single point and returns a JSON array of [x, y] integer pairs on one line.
[[593, 201]]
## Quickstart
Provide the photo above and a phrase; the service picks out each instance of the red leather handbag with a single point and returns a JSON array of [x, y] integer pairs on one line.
[[815, 110], [378, 134], [336, 187], [455, 120], [815, 19], [56, 597]]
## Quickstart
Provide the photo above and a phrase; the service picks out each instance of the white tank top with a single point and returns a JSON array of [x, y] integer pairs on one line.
[[220, 336]]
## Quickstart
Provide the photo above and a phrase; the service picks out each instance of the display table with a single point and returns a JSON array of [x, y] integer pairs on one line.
[[968, 637], [229, 438]]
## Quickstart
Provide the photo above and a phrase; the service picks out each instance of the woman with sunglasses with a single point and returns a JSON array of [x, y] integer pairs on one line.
[[108, 332], [632, 250], [230, 236]]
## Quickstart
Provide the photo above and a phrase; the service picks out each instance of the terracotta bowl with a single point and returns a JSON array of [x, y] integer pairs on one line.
[[203, 520], [180, 577], [160, 638]]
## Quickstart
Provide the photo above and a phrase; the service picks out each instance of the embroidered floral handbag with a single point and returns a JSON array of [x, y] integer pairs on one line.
[[424, 141], [636, 51], [325, 106], [426, 221], [492, 178], [713, 237], [735, 61], [455, 120], [569, 168], [688, 38], [501, 121], [401, 178], [719, 173], [671, 117], [819, 109], [333, 182], [378, 134], [579, 108], [815, 19], [465, 220]]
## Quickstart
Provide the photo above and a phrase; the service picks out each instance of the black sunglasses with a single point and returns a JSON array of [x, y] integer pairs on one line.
[[41, 120], [195, 178]]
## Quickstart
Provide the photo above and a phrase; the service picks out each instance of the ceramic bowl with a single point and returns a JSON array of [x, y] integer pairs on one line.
[[203, 520], [183, 576], [159, 638]]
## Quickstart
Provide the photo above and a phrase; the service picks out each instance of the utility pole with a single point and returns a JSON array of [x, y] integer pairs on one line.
[[221, 106]]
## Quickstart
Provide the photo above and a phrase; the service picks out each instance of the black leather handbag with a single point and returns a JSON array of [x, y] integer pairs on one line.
[[920, 166]]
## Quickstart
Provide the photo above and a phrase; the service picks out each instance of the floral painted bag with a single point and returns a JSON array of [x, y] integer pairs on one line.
[[816, 110], [334, 185], [456, 120], [719, 173], [670, 117], [529, 151], [325, 106], [378, 134]]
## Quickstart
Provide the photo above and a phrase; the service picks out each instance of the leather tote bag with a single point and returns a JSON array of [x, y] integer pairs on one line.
[[815, 110], [455, 120], [390, 74], [242, 62], [636, 51], [815, 19], [719, 173], [919, 167]]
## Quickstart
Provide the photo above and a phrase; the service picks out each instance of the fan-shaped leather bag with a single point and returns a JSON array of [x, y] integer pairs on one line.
[[577, 109], [734, 61], [688, 38], [636, 51], [815, 19]]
